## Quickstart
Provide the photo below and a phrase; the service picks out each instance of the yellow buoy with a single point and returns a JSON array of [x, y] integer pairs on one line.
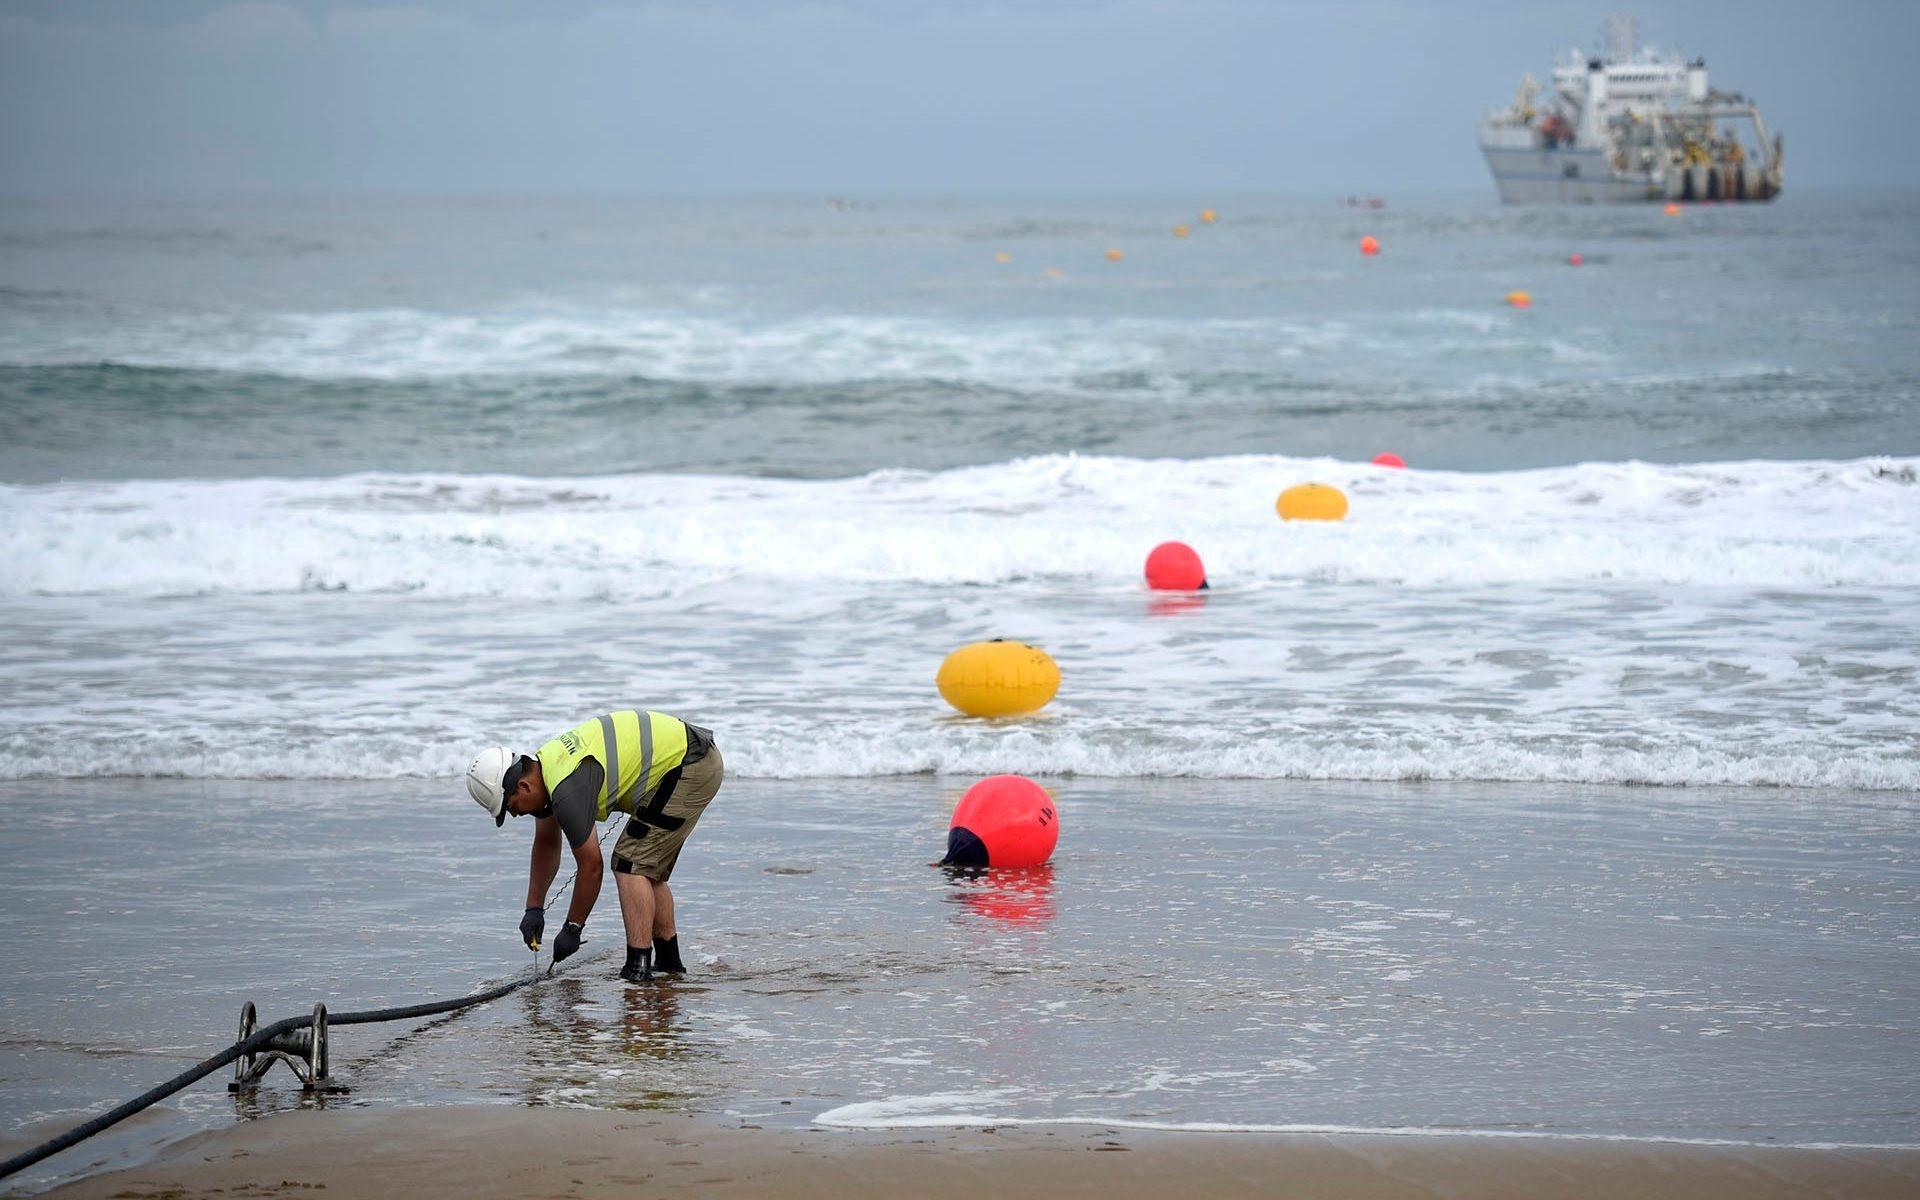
[[998, 679], [1181, 231], [1209, 216], [1311, 502], [1114, 254], [1520, 299], [1003, 257]]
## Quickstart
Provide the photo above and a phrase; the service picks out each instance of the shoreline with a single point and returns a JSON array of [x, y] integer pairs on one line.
[[513, 1151]]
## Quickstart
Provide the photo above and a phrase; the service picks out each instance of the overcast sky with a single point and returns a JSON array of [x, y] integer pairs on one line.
[[203, 97]]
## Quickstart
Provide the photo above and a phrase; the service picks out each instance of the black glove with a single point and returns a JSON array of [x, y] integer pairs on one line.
[[567, 943], [532, 925]]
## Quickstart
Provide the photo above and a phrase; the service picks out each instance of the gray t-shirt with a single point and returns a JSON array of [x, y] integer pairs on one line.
[[577, 799]]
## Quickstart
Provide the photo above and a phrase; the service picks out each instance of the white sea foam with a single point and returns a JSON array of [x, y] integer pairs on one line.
[[960, 1110], [1088, 520]]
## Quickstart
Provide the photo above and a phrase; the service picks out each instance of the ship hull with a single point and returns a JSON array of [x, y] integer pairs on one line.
[[1571, 175]]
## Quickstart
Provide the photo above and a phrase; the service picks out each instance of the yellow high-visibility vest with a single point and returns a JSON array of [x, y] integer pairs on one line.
[[636, 749]]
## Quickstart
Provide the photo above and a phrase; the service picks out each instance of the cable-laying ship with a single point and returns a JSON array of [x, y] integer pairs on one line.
[[1635, 125]]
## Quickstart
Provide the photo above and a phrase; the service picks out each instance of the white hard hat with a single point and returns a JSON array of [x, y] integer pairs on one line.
[[485, 777]]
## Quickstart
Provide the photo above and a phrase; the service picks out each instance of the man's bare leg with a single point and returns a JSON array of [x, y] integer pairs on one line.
[[663, 927], [666, 935], [636, 912]]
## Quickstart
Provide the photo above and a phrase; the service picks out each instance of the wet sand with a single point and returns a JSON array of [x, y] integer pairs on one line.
[[481, 1152]]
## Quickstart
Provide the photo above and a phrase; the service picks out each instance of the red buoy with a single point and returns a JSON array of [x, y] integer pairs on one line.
[[1174, 567], [1576, 258], [1388, 459], [1002, 821], [1369, 245]]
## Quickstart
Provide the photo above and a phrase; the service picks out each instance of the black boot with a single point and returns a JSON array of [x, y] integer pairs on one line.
[[639, 968], [666, 954]]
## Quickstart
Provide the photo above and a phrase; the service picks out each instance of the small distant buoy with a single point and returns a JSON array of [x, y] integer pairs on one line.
[[1055, 273], [998, 679], [1208, 216], [1311, 502], [1369, 245], [1003, 257], [1175, 567], [1181, 230], [1002, 821], [1114, 254], [1520, 299], [1673, 210], [1576, 258], [1388, 459]]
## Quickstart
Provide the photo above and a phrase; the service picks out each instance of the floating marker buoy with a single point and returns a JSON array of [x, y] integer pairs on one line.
[[1002, 821], [1369, 245], [1114, 254], [1311, 502], [1208, 216], [998, 679], [1003, 257], [1388, 459], [1055, 273], [1174, 567], [1673, 210], [1576, 258], [1181, 231], [1520, 299]]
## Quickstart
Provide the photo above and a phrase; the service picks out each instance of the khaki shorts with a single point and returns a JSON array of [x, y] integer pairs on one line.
[[651, 850]]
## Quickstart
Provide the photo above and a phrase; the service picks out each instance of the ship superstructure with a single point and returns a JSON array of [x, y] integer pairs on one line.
[[1632, 125]]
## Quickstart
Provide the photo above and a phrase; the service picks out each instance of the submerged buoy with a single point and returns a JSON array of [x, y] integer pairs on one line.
[[1002, 821], [1388, 458], [1369, 245], [1311, 502], [1520, 299], [1175, 567], [998, 679]]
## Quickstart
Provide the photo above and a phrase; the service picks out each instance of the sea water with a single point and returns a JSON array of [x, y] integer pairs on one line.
[[340, 490]]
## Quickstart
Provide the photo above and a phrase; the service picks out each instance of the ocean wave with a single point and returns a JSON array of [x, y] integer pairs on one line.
[[560, 342], [938, 747], [1081, 521]]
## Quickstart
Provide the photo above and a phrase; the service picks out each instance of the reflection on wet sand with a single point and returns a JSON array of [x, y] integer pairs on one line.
[[1012, 896], [580, 1039]]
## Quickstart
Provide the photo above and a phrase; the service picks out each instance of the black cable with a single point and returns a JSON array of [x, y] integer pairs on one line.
[[249, 1045], [258, 1041]]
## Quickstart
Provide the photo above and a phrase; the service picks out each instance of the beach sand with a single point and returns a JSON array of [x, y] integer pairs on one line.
[[483, 1152]]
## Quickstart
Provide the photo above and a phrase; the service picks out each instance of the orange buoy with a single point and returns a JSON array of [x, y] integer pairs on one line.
[[1208, 216], [1673, 210], [1003, 257], [1520, 299], [1388, 459], [1055, 273], [1174, 567], [1576, 258], [1369, 245], [1181, 230], [1002, 821], [1311, 502], [1114, 254]]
